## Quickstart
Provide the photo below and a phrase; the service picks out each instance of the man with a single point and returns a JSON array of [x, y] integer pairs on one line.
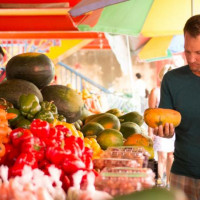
[[180, 90], [140, 85]]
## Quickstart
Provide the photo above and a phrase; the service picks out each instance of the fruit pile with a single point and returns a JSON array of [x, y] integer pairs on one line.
[[51, 125], [114, 128], [32, 73], [36, 121]]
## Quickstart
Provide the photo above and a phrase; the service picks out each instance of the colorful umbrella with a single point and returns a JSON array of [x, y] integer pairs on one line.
[[151, 18], [89, 5], [158, 48]]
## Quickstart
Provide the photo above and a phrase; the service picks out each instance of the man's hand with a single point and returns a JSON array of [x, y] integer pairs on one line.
[[167, 131]]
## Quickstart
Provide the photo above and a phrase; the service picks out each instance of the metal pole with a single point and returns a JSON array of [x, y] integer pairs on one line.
[[130, 65], [192, 7]]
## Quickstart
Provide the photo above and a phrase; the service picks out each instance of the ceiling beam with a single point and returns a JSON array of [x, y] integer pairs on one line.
[[49, 35]]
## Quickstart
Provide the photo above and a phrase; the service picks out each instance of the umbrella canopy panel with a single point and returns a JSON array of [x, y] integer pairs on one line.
[[149, 17], [89, 5], [168, 17], [158, 48], [123, 18]]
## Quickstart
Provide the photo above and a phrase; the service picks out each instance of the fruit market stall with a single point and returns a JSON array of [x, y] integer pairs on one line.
[[57, 142], [52, 147]]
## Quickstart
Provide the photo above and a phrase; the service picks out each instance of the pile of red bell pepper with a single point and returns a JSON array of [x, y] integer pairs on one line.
[[42, 146]]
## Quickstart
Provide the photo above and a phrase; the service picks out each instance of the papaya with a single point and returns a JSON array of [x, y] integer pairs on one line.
[[138, 140], [115, 111], [154, 117], [91, 128], [90, 117], [132, 117], [12, 89], [129, 128], [109, 137], [34, 67], [68, 102], [108, 121]]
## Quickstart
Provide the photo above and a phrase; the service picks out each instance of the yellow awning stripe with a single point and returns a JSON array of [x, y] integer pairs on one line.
[[66, 48], [167, 17], [155, 48]]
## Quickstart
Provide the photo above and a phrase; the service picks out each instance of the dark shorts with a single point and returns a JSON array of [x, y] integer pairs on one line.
[[190, 186]]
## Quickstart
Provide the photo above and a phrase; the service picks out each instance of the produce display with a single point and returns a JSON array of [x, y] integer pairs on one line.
[[48, 133]]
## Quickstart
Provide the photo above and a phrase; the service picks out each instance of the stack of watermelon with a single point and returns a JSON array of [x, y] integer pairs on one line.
[[32, 73]]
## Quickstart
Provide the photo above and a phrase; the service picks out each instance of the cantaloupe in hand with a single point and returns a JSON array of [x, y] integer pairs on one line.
[[155, 117]]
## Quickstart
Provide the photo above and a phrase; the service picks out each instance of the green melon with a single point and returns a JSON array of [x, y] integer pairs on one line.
[[109, 138], [91, 117], [115, 111], [12, 89], [68, 102], [34, 67], [129, 128], [108, 121], [132, 117], [92, 128]]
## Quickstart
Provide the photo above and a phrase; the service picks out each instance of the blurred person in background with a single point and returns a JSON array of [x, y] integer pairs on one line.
[[164, 147], [180, 91], [140, 85], [140, 88]]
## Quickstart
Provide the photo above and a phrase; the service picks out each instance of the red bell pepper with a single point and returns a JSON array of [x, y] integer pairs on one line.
[[56, 138], [66, 183], [80, 142], [73, 146], [40, 128], [34, 146], [51, 140], [72, 164], [27, 159], [56, 154], [19, 135], [16, 170], [88, 152], [44, 166], [88, 162], [64, 130]]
